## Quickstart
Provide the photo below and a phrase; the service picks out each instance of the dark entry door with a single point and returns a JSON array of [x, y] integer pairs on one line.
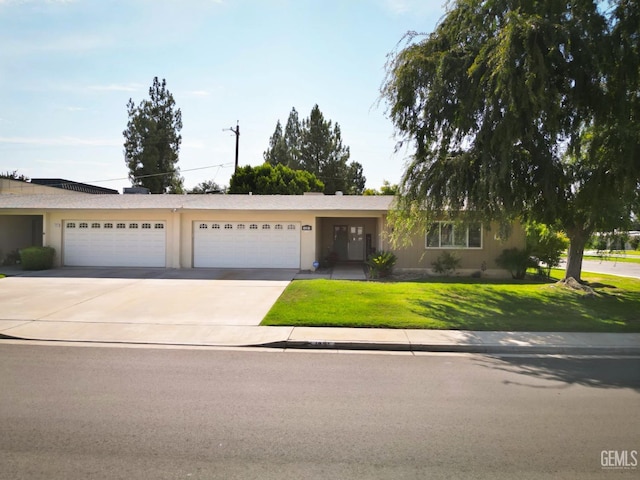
[[341, 241]]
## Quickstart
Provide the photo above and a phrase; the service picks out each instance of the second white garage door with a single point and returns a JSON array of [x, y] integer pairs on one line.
[[246, 244]]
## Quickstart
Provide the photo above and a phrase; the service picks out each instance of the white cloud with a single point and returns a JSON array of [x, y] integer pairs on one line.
[[193, 143], [72, 43], [198, 93], [116, 87], [415, 7], [25, 2], [60, 141], [397, 6]]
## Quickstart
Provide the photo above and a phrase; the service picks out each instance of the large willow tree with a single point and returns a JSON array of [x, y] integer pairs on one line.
[[521, 109]]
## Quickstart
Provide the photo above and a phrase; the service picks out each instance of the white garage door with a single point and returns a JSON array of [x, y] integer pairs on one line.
[[246, 244], [114, 243]]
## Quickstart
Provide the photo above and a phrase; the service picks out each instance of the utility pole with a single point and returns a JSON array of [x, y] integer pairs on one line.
[[237, 132]]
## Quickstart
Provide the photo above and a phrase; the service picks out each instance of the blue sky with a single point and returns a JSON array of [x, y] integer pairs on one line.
[[68, 68]]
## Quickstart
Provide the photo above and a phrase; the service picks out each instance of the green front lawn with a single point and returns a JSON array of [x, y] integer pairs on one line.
[[461, 304]]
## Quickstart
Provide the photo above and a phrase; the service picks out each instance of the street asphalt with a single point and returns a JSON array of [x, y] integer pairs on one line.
[[72, 413]]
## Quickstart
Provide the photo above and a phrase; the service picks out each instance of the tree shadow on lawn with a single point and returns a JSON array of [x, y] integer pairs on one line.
[[610, 372], [547, 308]]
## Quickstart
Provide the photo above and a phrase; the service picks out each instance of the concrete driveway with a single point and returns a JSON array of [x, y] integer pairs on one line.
[[142, 296]]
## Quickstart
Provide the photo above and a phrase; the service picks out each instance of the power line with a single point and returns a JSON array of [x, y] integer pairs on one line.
[[221, 165], [61, 184]]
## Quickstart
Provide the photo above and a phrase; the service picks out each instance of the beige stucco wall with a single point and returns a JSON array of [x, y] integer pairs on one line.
[[179, 229], [314, 242], [417, 256]]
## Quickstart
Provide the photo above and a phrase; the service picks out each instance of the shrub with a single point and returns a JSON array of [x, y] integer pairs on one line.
[[446, 264], [37, 258], [516, 261], [12, 258], [381, 264], [546, 244]]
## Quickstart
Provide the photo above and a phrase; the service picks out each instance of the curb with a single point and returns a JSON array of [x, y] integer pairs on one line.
[[486, 349]]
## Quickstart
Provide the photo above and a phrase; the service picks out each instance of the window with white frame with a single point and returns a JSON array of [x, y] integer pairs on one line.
[[454, 235]]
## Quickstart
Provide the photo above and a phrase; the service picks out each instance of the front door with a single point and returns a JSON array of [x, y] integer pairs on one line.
[[356, 243], [341, 241]]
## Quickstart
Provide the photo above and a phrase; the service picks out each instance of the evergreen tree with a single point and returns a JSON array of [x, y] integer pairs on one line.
[[277, 153], [356, 179], [292, 140], [315, 145], [152, 141]]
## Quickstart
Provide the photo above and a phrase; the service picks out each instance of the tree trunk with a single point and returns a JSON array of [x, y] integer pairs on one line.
[[577, 242]]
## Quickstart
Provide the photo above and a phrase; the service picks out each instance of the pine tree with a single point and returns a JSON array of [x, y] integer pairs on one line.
[[152, 141], [315, 145]]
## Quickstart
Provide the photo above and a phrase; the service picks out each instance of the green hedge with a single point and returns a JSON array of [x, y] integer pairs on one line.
[[37, 258]]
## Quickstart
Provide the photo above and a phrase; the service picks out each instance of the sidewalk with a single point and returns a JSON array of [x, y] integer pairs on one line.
[[327, 338]]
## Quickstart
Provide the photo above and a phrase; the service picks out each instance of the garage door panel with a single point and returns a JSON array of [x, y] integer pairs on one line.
[[114, 243], [246, 244]]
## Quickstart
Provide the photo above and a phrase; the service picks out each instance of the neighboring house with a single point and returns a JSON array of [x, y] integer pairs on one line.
[[20, 231], [20, 187], [71, 186], [237, 231]]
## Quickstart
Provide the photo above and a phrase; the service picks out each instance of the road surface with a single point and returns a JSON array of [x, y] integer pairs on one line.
[[611, 267], [71, 412]]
